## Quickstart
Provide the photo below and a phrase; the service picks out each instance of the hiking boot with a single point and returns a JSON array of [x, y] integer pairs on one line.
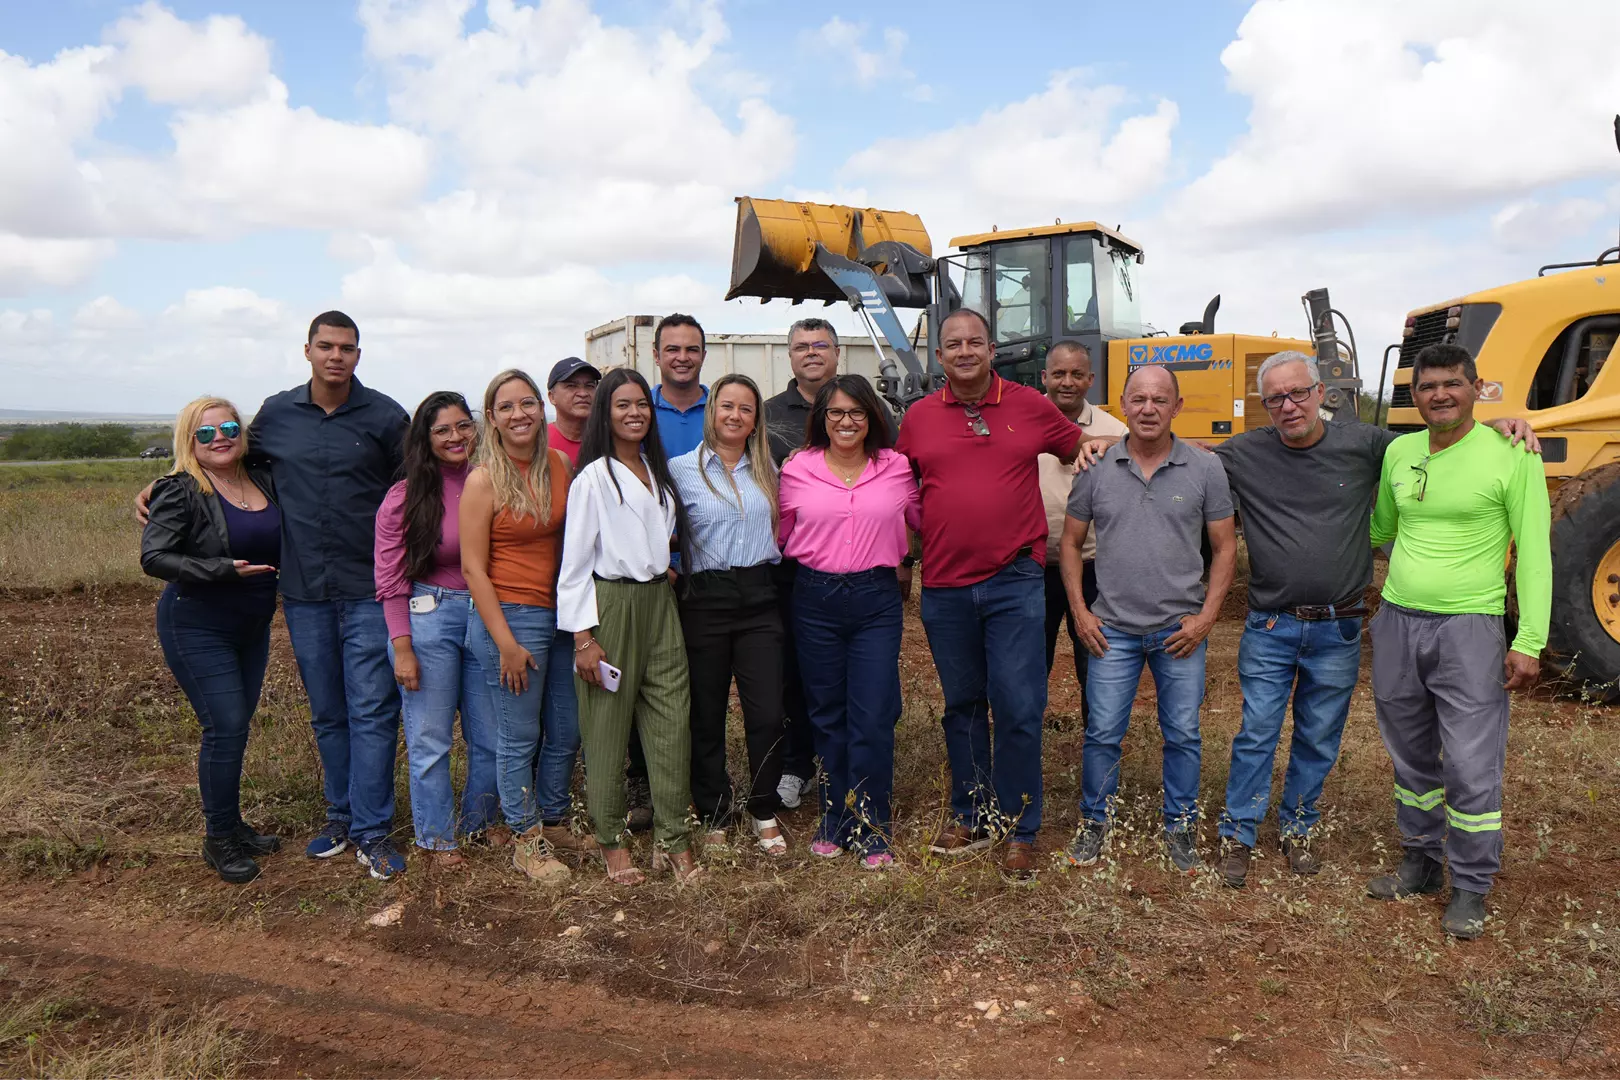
[[1183, 847], [562, 838], [1417, 874], [1234, 864], [495, 836], [331, 840], [1465, 915], [228, 857], [1088, 844], [1018, 859], [532, 855], [956, 840], [639, 797], [1297, 849], [255, 842], [381, 858]]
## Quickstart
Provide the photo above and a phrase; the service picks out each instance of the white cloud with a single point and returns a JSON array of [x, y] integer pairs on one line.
[[225, 306], [1532, 225], [106, 315], [1386, 109], [839, 40], [218, 60], [27, 261]]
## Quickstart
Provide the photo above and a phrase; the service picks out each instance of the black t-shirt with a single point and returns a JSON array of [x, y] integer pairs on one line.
[[1305, 513]]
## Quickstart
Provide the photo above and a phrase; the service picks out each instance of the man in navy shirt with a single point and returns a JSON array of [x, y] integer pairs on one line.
[[334, 447]]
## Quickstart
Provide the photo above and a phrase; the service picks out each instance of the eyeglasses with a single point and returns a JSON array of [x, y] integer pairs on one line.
[[230, 429], [461, 427], [1275, 401], [1422, 470], [857, 415], [528, 404], [976, 422], [801, 347]]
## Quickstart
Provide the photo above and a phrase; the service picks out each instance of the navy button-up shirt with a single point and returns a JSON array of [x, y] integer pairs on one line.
[[331, 473]]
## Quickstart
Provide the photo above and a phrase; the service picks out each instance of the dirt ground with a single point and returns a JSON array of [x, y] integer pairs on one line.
[[797, 969]]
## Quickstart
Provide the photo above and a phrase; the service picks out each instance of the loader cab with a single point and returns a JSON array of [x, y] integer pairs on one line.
[[1036, 287]]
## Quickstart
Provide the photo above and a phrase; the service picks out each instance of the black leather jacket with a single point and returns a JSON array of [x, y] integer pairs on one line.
[[186, 538]]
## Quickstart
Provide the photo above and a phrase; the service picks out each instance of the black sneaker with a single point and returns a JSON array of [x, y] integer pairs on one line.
[[1234, 864], [640, 804], [255, 842], [1183, 850], [1465, 915], [1301, 860], [229, 858], [1088, 844], [1417, 874]]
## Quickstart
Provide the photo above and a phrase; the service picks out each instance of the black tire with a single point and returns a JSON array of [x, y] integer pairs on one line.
[[1585, 525]]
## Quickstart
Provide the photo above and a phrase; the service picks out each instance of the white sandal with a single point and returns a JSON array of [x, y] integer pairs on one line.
[[770, 845]]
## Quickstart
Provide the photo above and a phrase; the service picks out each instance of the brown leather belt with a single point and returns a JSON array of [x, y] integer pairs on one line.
[[1324, 612]]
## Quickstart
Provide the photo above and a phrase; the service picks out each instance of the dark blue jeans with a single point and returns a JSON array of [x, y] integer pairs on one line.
[[218, 654], [342, 651], [988, 641], [847, 629], [1317, 663]]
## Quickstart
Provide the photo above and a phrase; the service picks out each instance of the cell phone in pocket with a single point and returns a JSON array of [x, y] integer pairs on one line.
[[610, 675], [423, 604]]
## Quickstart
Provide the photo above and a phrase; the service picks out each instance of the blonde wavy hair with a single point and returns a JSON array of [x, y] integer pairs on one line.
[[757, 449], [523, 494], [185, 427]]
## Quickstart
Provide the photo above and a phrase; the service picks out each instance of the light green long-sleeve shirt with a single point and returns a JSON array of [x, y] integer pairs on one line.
[[1451, 544]]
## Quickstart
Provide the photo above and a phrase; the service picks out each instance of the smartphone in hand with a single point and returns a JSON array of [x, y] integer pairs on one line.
[[610, 676]]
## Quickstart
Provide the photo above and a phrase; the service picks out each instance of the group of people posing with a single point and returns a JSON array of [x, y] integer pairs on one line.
[[597, 584]]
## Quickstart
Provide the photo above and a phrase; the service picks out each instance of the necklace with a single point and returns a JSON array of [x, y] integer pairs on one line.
[[235, 499], [844, 474]]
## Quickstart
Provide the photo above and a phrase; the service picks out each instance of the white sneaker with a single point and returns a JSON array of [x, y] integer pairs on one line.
[[790, 789]]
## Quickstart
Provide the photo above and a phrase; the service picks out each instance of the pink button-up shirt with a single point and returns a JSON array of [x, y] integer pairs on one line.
[[838, 529], [393, 587]]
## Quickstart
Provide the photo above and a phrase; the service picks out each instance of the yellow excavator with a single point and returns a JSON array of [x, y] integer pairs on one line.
[[1069, 281]]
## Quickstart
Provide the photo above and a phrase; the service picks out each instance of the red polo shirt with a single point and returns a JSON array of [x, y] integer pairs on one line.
[[556, 440], [981, 494]]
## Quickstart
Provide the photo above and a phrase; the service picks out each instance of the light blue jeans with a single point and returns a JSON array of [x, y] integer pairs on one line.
[[1111, 682], [450, 680], [537, 731], [1325, 659]]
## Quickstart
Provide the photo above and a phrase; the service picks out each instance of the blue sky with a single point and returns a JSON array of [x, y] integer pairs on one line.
[[1396, 152]]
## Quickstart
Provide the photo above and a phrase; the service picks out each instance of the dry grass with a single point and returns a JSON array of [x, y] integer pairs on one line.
[[64, 525]]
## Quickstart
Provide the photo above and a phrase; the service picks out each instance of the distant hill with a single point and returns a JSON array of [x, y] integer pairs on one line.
[[52, 416]]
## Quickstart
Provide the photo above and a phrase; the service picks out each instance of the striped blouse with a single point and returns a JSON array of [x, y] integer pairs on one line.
[[725, 536]]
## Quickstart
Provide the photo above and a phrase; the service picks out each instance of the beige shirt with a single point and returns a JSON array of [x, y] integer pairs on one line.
[[1057, 479]]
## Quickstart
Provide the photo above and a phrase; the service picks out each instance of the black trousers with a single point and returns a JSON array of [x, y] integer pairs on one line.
[[1058, 613], [799, 751], [733, 629]]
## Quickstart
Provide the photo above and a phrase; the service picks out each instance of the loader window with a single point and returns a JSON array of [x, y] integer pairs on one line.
[[1022, 290], [1573, 362], [1118, 289], [1079, 285]]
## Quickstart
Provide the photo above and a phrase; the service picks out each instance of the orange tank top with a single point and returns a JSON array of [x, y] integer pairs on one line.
[[524, 553]]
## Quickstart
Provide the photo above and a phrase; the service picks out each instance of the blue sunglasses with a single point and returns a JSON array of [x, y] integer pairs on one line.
[[230, 429]]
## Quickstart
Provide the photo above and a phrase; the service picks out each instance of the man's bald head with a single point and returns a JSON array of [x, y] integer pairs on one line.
[[1145, 369]]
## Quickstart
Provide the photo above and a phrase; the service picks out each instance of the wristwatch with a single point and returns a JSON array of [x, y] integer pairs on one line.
[[909, 561]]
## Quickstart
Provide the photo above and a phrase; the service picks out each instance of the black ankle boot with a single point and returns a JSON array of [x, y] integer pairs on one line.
[[255, 842], [1418, 873], [1465, 915], [229, 858]]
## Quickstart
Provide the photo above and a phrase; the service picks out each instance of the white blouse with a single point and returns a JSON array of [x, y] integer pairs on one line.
[[608, 537]]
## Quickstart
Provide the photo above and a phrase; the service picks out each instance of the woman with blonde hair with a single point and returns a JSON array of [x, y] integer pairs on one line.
[[729, 612], [512, 515], [214, 534]]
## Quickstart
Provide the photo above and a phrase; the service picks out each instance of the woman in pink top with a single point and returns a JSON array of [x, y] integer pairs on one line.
[[846, 501], [427, 606]]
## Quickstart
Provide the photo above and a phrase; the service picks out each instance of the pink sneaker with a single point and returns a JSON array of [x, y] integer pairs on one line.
[[826, 849], [880, 860]]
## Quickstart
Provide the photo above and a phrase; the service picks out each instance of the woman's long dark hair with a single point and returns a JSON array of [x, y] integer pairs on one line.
[[424, 484], [879, 430], [597, 442]]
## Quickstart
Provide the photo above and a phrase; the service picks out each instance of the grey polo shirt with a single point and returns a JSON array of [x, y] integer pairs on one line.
[[1150, 562]]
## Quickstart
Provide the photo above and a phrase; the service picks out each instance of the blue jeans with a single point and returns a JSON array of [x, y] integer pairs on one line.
[[989, 641], [449, 680], [537, 731], [1111, 682], [847, 628], [218, 654], [342, 651], [1325, 657]]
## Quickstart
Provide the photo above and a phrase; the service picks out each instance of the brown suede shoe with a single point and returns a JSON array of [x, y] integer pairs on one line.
[[562, 838], [1234, 864], [1018, 860], [1300, 859], [959, 840], [496, 836]]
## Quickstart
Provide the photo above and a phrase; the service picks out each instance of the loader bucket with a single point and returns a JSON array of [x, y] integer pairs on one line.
[[774, 255]]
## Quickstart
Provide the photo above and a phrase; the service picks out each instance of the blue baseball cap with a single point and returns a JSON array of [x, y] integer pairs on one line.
[[566, 367]]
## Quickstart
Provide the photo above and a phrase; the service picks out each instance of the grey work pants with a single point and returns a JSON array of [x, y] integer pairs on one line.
[[1437, 682]]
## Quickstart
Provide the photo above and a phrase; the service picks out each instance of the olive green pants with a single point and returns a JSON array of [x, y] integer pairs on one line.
[[640, 633]]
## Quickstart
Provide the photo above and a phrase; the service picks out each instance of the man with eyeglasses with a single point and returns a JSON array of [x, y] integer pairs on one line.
[[334, 448], [974, 445], [1304, 489], [813, 354], [571, 387], [1455, 499]]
